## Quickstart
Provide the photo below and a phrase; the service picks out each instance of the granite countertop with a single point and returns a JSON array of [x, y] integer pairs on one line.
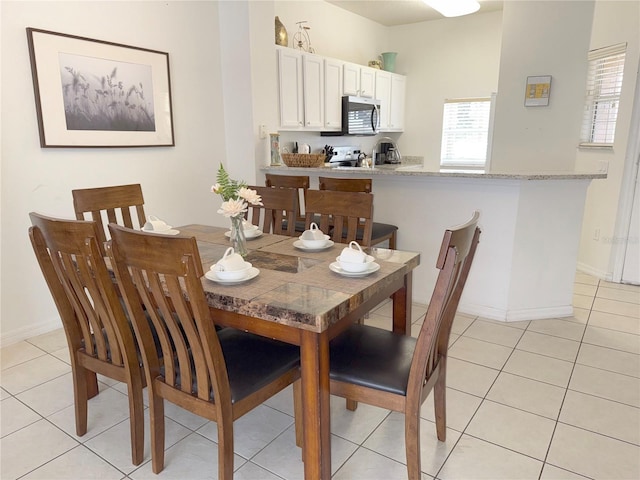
[[412, 169]]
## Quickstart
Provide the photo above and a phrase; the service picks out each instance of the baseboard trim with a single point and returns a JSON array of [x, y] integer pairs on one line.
[[517, 315], [20, 334], [588, 269]]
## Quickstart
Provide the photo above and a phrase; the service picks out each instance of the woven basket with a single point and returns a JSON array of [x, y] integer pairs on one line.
[[303, 159]]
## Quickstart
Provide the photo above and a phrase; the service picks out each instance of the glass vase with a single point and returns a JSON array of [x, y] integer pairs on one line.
[[237, 238]]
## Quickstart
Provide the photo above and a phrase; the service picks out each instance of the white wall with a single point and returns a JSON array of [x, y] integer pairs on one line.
[[334, 31], [614, 22], [443, 59], [36, 179], [541, 38]]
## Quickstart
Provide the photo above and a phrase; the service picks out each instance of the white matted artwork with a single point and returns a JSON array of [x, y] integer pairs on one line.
[[93, 93], [538, 91]]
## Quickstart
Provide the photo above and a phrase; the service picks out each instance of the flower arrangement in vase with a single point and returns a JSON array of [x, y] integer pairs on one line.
[[236, 200]]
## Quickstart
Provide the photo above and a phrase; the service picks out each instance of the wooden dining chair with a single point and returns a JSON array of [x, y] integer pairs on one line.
[[98, 333], [300, 183], [397, 372], [115, 202], [345, 216], [219, 375], [278, 204], [380, 232]]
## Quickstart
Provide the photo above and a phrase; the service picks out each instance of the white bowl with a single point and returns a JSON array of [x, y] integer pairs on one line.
[[355, 267], [316, 243], [231, 274]]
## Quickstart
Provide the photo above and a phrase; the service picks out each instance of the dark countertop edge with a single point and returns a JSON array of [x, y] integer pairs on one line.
[[393, 171]]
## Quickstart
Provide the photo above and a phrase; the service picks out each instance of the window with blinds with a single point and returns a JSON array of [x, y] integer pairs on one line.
[[465, 132], [604, 84]]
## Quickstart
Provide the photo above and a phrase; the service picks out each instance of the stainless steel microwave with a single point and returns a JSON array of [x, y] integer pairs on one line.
[[360, 116]]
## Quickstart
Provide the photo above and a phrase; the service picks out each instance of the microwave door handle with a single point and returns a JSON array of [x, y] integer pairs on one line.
[[374, 118]]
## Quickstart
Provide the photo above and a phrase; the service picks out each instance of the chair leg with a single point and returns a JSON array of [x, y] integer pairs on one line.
[[297, 412], [92, 384], [440, 402], [351, 404], [225, 448], [80, 396], [136, 420], [412, 442], [156, 414], [392, 241]]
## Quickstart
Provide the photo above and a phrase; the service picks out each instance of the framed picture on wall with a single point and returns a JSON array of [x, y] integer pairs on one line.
[[538, 91], [93, 93]]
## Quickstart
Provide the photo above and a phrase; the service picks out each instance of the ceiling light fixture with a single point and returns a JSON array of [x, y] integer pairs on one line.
[[454, 8]]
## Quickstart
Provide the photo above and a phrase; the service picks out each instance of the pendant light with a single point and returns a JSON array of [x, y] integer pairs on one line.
[[454, 8]]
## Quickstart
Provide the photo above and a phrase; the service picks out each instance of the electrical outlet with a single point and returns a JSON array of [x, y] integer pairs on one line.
[[262, 131], [596, 234]]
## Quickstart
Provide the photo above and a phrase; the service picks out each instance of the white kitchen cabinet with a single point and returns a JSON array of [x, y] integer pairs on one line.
[[391, 91], [367, 82], [398, 100], [332, 94], [311, 87], [313, 90], [358, 80], [290, 88]]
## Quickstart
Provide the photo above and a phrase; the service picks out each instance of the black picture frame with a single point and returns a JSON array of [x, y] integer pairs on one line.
[[99, 94]]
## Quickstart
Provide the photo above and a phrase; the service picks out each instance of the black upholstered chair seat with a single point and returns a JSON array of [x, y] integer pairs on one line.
[[252, 361], [379, 230], [373, 358]]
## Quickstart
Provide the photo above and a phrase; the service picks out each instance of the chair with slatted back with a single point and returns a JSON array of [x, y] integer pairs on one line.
[[381, 232], [300, 183], [84, 293], [397, 372], [218, 375], [346, 216], [277, 204], [116, 201]]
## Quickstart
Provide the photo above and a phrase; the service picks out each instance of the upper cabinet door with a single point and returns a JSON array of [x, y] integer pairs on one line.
[[313, 68], [333, 94], [383, 93], [290, 88], [367, 82], [351, 79], [398, 99]]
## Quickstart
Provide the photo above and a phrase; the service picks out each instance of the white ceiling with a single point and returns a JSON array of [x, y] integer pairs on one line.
[[401, 12]]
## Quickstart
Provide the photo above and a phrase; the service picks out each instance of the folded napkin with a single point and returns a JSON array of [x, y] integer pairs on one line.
[[314, 233], [229, 262], [154, 224]]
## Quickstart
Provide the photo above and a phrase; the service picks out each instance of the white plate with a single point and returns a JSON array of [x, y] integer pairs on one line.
[[248, 237], [170, 231], [335, 267], [211, 275], [300, 245]]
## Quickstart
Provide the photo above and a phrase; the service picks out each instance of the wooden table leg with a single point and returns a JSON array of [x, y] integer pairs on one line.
[[402, 299], [314, 366]]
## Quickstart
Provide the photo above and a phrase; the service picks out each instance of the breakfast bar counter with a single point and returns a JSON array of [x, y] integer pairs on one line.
[[531, 223]]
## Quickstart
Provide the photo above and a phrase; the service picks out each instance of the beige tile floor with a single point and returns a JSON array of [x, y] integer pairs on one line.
[[544, 399]]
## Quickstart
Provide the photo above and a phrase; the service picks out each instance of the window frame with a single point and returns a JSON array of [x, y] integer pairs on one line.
[[603, 91], [451, 163]]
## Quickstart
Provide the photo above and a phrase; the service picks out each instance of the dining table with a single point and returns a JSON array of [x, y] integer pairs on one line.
[[299, 297]]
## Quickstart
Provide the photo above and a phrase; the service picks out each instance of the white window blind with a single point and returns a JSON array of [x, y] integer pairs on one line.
[[465, 129], [604, 84]]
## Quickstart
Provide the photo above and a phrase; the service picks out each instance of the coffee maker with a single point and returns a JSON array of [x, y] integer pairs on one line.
[[387, 153], [383, 150]]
